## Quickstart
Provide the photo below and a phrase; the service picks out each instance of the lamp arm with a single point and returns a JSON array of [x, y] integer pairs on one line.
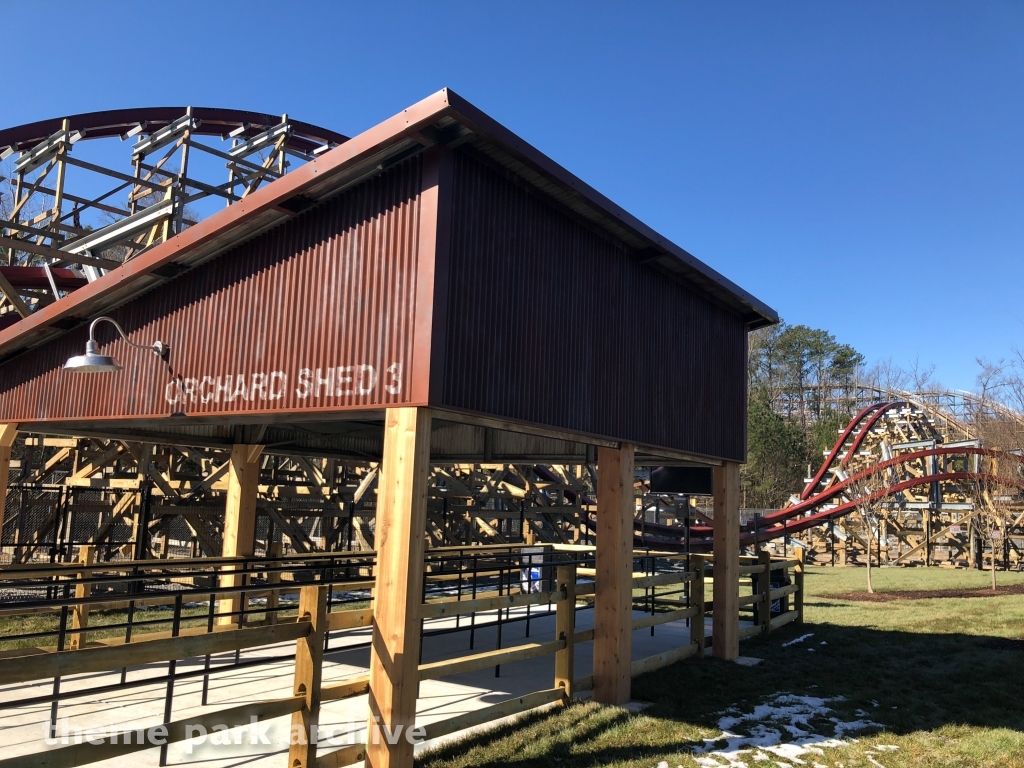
[[158, 346]]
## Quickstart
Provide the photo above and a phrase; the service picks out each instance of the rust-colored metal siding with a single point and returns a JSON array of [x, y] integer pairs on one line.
[[331, 290], [549, 322]]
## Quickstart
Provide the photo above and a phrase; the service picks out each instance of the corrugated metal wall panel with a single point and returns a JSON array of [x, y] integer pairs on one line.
[[331, 290], [551, 323]]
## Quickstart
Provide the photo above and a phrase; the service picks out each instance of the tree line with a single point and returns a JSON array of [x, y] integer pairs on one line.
[[804, 386]]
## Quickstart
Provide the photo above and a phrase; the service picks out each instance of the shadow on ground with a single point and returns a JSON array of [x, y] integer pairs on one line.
[[907, 682]]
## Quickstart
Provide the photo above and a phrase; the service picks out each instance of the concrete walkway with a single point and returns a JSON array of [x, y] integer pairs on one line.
[[22, 730]]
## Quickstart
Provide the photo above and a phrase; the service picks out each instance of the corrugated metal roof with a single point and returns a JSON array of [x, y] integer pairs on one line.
[[443, 118]]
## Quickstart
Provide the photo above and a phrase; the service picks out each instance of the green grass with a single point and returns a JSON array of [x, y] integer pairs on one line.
[[937, 674], [160, 616], [48, 622]]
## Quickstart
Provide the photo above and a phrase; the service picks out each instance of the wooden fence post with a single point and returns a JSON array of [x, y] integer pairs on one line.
[[309, 661], [764, 591], [80, 613], [697, 599], [798, 577], [565, 627]]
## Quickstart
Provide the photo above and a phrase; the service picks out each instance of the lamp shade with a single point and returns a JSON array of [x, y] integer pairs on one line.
[[92, 361]]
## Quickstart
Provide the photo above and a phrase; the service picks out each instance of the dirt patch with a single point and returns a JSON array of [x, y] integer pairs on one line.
[[928, 594]]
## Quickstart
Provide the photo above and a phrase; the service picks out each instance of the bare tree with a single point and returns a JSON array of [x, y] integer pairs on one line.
[[1014, 393], [888, 376], [921, 376], [1000, 497], [867, 492]]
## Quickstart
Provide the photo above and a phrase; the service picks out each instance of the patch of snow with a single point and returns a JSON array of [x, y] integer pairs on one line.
[[798, 640], [777, 729], [748, 661], [823, 643]]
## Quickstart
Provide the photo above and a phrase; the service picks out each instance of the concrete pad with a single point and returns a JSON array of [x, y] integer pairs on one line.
[[23, 729]]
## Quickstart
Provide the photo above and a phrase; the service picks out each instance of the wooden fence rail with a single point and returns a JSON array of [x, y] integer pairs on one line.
[[170, 733], [23, 669], [313, 621], [764, 595]]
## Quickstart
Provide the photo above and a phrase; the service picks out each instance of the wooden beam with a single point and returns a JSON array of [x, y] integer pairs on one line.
[[395, 648], [435, 670], [239, 536], [494, 712], [798, 585], [354, 686], [697, 562], [725, 641], [660, 660], [140, 526], [88, 660], [122, 742], [613, 604], [8, 433], [449, 608], [565, 629], [80, 613], [764, 589], [14, 297], [309, 662]]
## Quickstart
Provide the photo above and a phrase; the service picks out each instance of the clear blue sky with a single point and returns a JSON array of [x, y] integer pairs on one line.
[[858, 166]]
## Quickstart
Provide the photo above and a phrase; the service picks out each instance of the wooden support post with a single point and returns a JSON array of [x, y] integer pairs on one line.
[[239, 533], [613, 597], [80, 614], [926, 523], [565, 627], [764, 591], [697, 563], [8, 433], [395, 648], [528, 537], [309, 662], [725, 641], [798, 579], [273, 579], [140, 525]]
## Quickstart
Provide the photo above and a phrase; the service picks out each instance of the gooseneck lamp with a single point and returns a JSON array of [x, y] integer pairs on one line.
[[93, 362]]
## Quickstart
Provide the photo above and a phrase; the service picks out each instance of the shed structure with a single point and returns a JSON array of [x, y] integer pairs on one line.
[[433, 290]]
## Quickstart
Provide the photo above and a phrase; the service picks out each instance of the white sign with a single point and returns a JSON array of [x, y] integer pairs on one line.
[[315, 383]]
